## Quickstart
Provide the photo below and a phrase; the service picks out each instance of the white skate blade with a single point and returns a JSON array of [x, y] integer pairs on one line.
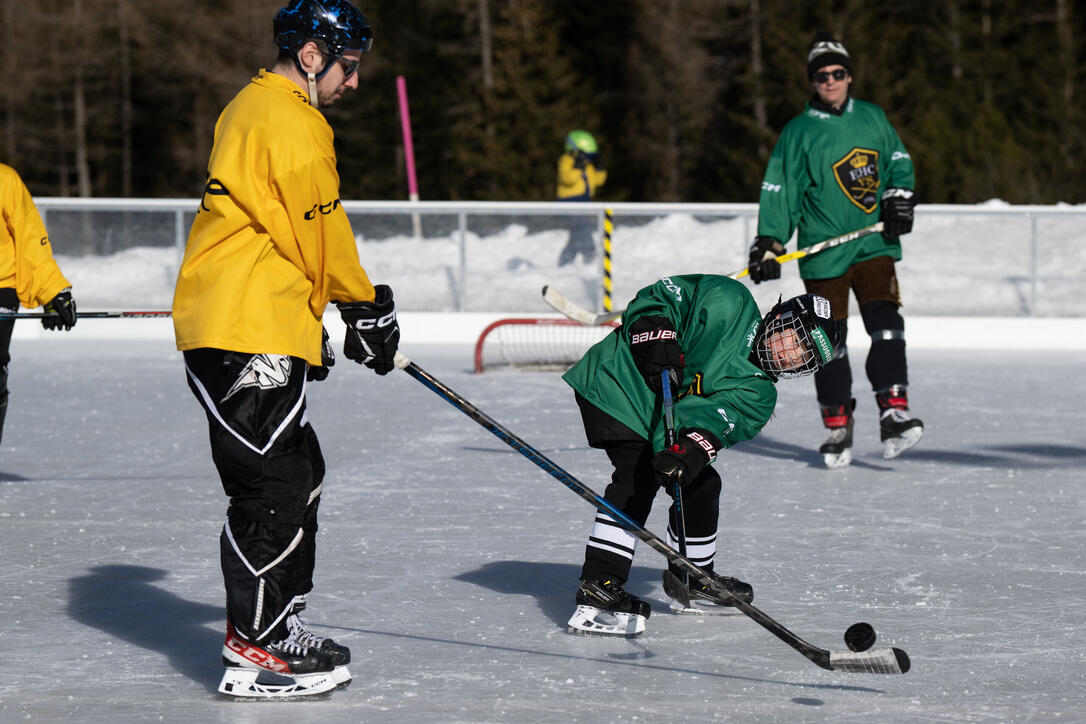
[[836, 461], [702, 608], [591, 621], [245, 683], [341, 676], [896, 445]]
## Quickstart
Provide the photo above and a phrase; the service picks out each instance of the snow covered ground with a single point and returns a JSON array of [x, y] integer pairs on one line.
[[961, 261], [448, 562]]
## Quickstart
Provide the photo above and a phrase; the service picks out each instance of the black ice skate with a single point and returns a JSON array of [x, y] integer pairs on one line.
[[340, 654], [604, 608], [898, 431], [696, 598], [837, 450], [280, 670]]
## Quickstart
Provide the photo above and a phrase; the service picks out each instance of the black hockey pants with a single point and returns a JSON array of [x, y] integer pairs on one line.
[[633, 487], [271, 467], [9, 302]]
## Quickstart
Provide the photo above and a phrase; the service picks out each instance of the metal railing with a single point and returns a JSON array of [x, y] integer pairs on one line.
[[996, 257]]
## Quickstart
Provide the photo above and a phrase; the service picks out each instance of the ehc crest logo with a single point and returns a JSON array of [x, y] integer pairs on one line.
[[858, 176]]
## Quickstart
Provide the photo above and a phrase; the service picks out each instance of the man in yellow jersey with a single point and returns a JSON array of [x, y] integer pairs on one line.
[[28, 273], [270, 246]]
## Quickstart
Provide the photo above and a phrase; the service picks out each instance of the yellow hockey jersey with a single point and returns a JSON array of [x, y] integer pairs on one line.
[[271, 244], [26, 257], [577, 184]]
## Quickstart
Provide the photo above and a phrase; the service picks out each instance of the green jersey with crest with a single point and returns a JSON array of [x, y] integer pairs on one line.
[[826, 177], [721, 391]]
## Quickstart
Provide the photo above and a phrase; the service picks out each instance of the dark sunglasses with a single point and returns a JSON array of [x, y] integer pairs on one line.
[[349, 66], [822, 77]]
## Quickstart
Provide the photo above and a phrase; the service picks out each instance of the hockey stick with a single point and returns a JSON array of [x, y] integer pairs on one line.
[[560, 303], [577, 313], [820, 246], [85, 315], [683, 587], [872, 661]]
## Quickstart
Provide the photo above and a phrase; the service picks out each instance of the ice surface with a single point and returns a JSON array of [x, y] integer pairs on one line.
[[448, 562]]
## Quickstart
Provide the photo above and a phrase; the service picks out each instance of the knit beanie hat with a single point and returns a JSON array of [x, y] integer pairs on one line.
[[827, 51]]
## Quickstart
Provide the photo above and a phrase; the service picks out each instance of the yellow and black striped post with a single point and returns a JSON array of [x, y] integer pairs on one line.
[[608, 227]]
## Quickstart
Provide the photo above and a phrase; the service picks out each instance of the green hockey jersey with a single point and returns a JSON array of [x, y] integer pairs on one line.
[[826, 177], [722, 391]]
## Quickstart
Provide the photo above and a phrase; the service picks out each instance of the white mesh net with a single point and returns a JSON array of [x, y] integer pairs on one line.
[[535, 343]]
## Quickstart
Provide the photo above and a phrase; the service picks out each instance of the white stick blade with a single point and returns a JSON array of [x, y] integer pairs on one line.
[[873, 661]]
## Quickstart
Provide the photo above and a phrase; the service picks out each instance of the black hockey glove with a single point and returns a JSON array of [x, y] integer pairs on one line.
[[328, 359], [897, 212], [62, 311], [684, 461], [373, 334], [763, 263], [655, 348]]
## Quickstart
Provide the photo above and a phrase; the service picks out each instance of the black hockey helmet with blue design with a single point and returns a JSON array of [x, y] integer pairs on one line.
[[338, 24]]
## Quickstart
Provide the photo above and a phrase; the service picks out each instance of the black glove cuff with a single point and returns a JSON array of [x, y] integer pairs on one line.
[[382, 303], [763, 245]]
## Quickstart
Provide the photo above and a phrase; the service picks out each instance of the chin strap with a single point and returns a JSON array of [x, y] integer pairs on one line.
[[312, 89]]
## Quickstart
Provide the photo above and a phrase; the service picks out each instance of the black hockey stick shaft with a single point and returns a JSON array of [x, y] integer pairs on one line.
[[876, 661], [676, 484], [87, 315]]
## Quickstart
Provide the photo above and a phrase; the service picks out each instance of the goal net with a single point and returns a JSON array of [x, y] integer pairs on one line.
[[535, 343]]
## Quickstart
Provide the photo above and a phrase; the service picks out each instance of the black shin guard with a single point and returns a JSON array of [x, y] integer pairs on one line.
[[885, 364]]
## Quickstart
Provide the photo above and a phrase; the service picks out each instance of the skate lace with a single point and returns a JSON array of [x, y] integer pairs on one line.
[[837, 434], [301, 635], [896, 414]]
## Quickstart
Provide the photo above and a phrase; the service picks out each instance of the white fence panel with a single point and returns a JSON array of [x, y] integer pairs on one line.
[[988, 260]]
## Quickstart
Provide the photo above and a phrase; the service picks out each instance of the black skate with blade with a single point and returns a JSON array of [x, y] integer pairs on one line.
[[697, 598], [837, 450], [283, 669], [605, 608]]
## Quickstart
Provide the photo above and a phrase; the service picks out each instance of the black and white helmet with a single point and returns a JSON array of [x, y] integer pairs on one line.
[[798, 337]]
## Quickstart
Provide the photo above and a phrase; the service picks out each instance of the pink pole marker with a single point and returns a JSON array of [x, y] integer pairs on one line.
[[408, 148]]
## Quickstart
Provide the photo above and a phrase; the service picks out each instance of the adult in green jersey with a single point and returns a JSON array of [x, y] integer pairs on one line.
[[723, 358], [837, 167]]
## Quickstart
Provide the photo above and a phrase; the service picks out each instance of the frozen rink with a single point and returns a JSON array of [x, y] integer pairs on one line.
[[448, 562]]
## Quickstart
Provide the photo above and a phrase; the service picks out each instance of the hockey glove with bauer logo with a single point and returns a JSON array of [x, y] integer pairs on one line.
[[655, 348], [373, 334], [763, 262], [61, 309], [328, 359], [682, 462], [897, 212]]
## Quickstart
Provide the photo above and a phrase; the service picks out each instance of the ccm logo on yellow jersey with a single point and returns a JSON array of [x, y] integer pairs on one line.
[[323, 208]]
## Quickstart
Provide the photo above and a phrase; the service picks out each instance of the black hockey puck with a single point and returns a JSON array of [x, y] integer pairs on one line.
[[860, 637]]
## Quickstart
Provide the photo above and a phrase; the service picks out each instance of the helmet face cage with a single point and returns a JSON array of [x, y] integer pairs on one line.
[[797, 338], [338, 24]]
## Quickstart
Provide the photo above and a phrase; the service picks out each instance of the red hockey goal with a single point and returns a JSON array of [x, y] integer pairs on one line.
[[535, 343]]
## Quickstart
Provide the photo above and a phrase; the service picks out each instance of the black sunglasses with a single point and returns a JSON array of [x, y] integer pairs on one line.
[[822, 77], [349, 66]]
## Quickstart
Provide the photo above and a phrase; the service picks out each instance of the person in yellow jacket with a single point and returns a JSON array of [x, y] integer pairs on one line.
[[580, 173], [269, 248], [28, 273]]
